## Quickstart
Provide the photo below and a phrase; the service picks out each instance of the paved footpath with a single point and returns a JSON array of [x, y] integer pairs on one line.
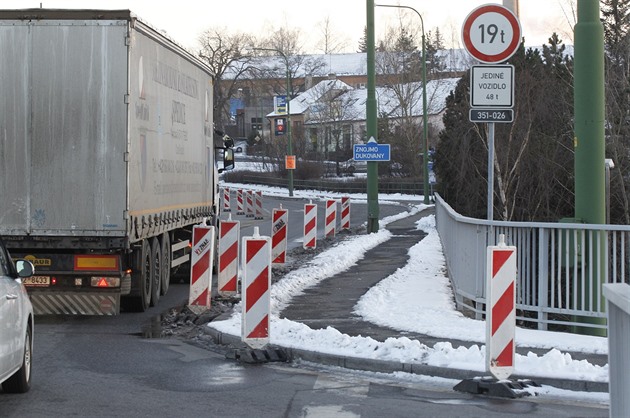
[[331, 302]]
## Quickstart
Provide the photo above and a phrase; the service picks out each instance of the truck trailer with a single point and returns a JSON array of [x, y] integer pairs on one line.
[[109, 156]]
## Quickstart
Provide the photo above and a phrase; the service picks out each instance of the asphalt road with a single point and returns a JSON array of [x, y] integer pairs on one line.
[[106, 367]]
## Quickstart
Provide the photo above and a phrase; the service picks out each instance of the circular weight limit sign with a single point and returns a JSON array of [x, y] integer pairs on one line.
[[491, 33]]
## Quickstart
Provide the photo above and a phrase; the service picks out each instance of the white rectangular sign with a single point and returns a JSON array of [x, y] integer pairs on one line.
[[492, 86]]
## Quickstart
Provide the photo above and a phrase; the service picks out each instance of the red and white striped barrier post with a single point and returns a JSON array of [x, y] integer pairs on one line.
[[330, 228], [249, 204], [202, 258], [258, 202], [310, 226], [256, 290], [279, 225], [239, 202], [226, 199], [500, 309], [345, 212], [227, 275]]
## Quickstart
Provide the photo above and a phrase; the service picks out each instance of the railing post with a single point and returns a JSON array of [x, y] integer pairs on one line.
[[543, 277], [618, 296]]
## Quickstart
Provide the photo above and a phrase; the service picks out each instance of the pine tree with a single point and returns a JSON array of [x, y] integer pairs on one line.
[[363, 41], [533, 164]]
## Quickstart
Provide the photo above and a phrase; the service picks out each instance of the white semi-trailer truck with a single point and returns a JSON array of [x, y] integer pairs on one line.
[[107, 152]]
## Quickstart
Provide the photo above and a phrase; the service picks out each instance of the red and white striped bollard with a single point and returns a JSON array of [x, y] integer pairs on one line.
[[239, 202], [310, 226], [345, 212], [500, 309], [249, 204], [258, 203], [201, 260], [279, 225], [256, 295], [227, 275], [226, 199], [330, 228]]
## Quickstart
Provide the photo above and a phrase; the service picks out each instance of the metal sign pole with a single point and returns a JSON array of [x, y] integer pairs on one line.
[[491, 181]]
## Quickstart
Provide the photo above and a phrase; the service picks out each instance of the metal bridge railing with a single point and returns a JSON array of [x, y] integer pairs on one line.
[[559, 265]]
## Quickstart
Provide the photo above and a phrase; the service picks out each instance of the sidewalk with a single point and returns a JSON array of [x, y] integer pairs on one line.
[[331, 303]]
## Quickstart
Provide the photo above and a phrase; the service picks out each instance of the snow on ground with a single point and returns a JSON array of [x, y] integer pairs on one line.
[[416, 298]]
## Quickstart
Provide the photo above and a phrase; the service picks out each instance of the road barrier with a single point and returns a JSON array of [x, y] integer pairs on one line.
[[240, 202], [202, 258], [310, 226], [256, 290], [345, 212], [249, 204], [226, 199], [501, 309], [330, 227], [258, 203], [227, 275], [279, 229]]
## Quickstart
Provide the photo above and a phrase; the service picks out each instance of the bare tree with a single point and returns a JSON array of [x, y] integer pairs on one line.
[[569, 9], [225, 52], [330, 42], [331, 117]]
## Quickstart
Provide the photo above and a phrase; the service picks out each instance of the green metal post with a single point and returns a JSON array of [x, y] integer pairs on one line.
[[590, 199], [425, 121], [371, 122], [289, 145]]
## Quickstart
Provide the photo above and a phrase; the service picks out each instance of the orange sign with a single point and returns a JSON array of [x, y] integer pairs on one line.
[[289, 162]]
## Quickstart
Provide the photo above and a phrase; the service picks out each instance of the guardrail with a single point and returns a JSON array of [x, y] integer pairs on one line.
[[559, 265]]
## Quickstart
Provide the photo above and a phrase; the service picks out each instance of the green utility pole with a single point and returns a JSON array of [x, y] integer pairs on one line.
[[289, 145], [590, 199], [371, 122]]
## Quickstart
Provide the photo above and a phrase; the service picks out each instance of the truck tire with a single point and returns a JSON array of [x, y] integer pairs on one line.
[[20, 381], [155, 271], [166, 262], [141, 276]]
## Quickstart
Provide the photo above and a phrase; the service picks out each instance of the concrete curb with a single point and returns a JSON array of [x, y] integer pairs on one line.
[[385, 366]]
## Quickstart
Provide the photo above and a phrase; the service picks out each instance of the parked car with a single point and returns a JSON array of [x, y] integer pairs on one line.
[[16, 324], [350, 166]]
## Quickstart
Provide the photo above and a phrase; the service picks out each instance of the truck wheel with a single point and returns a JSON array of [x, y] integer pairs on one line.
[[155, 269], [166, 262], [142, 275]]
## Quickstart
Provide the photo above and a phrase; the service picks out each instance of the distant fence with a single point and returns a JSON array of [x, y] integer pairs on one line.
[[559, 265]]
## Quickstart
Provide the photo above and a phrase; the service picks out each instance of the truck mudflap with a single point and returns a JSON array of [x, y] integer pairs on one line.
[[73, 303]]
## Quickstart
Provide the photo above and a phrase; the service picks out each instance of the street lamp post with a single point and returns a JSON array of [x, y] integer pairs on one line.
[[288, 89], [425, 146]]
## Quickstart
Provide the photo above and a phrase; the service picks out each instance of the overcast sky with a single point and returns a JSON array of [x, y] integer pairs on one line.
[[184, 20]]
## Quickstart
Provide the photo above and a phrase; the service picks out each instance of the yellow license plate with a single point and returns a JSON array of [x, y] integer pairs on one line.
[[36, 281]]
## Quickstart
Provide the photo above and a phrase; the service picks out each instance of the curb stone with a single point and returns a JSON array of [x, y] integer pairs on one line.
[[387, 366]]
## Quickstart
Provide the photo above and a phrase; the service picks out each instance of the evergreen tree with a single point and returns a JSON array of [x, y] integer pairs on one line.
[[533, 155], [363, 41]]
